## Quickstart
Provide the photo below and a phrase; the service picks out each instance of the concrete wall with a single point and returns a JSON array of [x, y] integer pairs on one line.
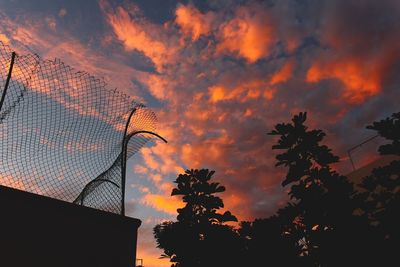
[[39, 231]]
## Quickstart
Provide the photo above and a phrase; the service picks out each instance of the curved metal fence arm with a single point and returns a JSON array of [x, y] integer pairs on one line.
[[147, 132], [124, 156], [125, 142]]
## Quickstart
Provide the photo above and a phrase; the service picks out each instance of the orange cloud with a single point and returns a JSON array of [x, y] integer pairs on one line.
[[360, 80], [249, 35], [211, 150], [192, 22], [4, 38], [234, 200], [136, 35], [217, 93], [164, 203], [247, 90], [149, 159], [141, 169], [157, 84], [357, 52], [160, 157], [283, 74]]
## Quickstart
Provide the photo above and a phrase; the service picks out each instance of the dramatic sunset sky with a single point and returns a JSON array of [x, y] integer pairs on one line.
[[219, 74]]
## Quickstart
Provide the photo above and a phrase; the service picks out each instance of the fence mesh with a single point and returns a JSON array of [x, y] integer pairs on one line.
[[64, 134]]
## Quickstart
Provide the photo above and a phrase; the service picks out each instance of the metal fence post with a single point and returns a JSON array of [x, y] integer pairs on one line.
[[3, 96]]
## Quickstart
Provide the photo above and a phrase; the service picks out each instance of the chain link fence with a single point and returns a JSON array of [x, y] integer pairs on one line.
[[64, 134]]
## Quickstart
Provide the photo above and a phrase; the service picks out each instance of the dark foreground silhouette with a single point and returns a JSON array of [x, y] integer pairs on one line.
[[46, 232], [326, 223]]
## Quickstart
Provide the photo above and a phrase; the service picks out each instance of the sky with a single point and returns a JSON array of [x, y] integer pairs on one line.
[[219, 74]]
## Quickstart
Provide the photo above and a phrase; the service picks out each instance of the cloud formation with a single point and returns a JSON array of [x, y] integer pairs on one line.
[[249, 34], [192, 22], [135, 33], [224, 72], [361, 47], [220, 120]]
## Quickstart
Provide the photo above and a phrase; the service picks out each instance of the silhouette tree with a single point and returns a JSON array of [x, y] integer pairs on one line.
[[271, 240], [199, 237], [389, 128], [381, 198], [325, 225]]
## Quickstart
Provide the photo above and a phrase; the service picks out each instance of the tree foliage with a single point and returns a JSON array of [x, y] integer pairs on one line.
[[201, 204], [322, 199], [199, 237], [273, 240], [380, 200], [389, 129], [325, 223]]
